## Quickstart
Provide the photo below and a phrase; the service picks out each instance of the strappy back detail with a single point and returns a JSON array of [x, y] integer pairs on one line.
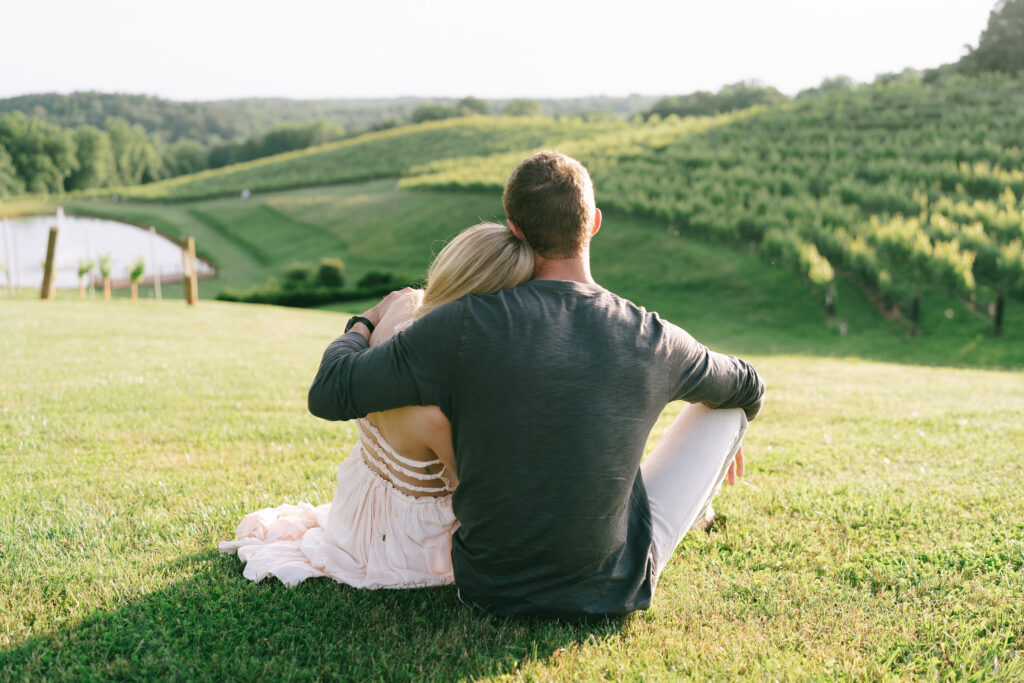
[[380, 456]]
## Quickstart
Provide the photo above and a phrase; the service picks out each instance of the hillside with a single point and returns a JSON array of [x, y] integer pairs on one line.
[[912, 192], [385, 154], [725, 296], [900, 186]]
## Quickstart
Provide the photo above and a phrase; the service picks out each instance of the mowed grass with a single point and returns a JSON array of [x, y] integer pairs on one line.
[[879, 532]]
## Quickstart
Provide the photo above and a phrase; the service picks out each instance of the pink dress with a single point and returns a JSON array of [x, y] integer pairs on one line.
[[373, 535]]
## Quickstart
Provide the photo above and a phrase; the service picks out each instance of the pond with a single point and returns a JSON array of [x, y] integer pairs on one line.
[[23, 249]]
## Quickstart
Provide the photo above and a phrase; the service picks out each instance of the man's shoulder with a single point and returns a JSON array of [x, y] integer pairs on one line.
[[589, 294], [599, 301]]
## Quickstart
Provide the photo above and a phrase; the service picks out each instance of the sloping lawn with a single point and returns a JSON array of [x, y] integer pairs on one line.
[[879, 532]]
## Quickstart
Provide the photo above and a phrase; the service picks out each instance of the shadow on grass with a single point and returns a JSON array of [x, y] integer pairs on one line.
[[216, 624]]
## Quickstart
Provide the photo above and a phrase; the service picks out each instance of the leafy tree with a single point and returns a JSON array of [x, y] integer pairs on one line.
[[1001, 44], [522, 107], [787, 249], [297, 274], [186, 156], [905, 241], [732, 97], [330, 273], [221, 155], [10, 183], [746, 94], [1011, 265], [908, 75], [374, 279], [282, 138], [96, 167], [291, 136], [598, 116], [433, 112], [386, 124], [42, 154], [135, 154], [829, 85], [474, 105]]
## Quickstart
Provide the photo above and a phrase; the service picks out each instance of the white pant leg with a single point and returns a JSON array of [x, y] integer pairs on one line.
[[686, 469]]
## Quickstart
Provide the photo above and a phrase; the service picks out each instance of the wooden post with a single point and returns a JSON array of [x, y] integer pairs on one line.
[[17, 264], [156, 266], [997, 318], [7, 257], [915, 310], [51, 254], [188, 255]]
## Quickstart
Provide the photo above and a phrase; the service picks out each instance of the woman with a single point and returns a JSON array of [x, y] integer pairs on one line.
[[391, 521]]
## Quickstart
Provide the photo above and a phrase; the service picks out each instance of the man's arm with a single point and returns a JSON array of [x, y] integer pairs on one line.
[[714, 379], [411, 368]]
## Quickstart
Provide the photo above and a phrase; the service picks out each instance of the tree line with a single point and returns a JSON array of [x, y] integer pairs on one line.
[[37, 156], [232, 121]]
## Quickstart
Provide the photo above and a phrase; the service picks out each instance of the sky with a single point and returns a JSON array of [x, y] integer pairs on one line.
[[217, 49]]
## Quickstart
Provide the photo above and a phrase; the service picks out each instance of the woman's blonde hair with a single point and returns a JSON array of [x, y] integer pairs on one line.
[[482, 259]]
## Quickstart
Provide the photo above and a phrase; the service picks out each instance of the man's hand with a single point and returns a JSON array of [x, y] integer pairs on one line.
[[735, 468], [375, 314]]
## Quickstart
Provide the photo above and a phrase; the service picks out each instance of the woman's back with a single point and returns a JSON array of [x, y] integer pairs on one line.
[[416, 433]]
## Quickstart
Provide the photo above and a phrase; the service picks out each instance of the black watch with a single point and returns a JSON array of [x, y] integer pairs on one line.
[[358, 319]]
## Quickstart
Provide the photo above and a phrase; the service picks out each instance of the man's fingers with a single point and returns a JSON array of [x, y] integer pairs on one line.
[[735, 468]]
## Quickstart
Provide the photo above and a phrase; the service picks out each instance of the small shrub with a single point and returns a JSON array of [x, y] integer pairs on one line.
[[137, 270], [298, 274], [304, 288], [330, 273], [375, 279], [104, 265]]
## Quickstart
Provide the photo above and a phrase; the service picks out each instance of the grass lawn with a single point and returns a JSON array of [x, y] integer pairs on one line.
[[879, 532]]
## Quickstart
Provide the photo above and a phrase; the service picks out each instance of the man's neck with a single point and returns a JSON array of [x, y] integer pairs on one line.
[[576, 269]]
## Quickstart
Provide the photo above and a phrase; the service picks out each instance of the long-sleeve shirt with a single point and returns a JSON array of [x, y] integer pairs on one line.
[[552, 388]]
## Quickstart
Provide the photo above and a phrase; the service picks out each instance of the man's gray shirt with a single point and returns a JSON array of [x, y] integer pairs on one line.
[[552, 388]]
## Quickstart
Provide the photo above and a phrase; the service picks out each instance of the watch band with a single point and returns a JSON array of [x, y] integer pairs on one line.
[[359, 319]]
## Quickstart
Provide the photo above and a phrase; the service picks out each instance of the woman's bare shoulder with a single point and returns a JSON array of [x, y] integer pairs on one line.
[[415, 430], [422, 419]]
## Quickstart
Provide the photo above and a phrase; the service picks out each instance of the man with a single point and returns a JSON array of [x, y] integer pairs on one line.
[[552, 388]]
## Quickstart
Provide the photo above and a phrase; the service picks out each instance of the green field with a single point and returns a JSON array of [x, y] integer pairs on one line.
[[719, 292], [878, 533]]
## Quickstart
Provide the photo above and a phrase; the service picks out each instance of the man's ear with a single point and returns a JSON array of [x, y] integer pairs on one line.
[[597, 222], [516, 231]]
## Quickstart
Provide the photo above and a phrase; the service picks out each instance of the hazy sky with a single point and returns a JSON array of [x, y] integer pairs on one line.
[[211, 49]]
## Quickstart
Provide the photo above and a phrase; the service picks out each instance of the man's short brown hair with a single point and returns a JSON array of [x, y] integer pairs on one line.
[[550, 198]]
